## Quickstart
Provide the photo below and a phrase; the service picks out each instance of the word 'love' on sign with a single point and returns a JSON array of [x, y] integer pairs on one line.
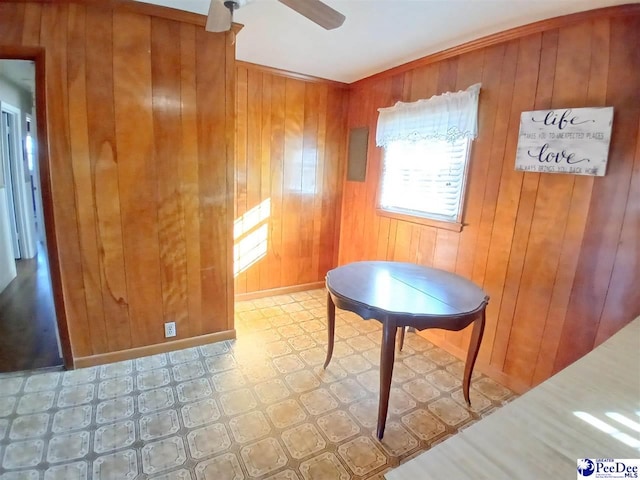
[[565, 140]]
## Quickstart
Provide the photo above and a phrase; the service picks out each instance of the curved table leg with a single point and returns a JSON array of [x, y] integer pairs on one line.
[[331, 327], [387, 355], [401, 341], [472, 354]]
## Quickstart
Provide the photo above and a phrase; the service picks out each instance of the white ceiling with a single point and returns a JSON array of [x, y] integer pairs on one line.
[[377, 34]]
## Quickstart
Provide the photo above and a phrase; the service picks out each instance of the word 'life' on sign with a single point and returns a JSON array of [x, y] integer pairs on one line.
[[565, 140]]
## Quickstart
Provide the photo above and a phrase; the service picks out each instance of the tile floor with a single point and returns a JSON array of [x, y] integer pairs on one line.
[[257, 407]]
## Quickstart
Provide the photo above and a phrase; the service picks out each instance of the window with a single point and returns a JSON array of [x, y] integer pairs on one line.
[[426, 151]]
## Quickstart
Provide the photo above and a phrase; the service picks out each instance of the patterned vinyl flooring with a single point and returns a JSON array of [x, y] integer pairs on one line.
[[257, 407]]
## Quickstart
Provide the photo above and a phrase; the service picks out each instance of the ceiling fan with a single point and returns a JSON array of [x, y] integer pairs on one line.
[[221, 13]]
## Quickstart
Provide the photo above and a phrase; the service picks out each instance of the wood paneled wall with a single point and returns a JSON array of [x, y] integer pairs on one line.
[[558, 254], [289, 162], [140, 123]]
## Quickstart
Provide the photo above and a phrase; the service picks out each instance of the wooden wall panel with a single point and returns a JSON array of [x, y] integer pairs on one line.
[[290, 147], [166, 73], [95, 331], [610, 204], [140, 113], [102, 151], [558, 254]]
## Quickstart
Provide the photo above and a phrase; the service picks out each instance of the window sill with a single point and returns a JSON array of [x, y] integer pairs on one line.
[[429, 222]]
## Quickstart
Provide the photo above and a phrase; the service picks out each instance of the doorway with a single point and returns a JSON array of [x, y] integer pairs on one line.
[[28, 326]]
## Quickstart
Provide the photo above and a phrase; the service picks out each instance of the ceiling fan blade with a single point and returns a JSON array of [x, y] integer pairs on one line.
[[219, 18], [316, 11]]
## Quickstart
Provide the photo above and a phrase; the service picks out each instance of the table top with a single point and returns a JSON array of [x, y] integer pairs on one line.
[[405, 289], [544, 432]]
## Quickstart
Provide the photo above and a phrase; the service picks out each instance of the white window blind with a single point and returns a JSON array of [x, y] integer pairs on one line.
[[424, 178]]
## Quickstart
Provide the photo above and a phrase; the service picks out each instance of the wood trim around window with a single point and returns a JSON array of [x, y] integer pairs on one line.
[[429, 222]]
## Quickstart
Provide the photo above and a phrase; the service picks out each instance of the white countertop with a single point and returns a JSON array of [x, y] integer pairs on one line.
[[539, 436]]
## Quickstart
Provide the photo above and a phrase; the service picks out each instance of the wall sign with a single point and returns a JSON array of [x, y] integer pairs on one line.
[[565, 140]]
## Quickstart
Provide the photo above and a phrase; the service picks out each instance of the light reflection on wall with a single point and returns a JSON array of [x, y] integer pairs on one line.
[[610, 429], [250, 235]]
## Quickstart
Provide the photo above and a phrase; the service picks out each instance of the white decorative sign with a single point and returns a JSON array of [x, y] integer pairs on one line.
[[565, 140]]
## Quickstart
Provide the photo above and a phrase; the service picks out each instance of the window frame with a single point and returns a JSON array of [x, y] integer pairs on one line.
[[427, 220]]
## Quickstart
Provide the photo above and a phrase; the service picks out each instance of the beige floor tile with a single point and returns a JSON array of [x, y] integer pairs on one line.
[[224, 466], [114, 436], [158, 424], [29, 426], [12, 385], [114, 410], [286, 413], [151, 379], [423, 424], [116, 466], [76, 395], [361, 455], [249, 426], [71, 446], [324, 467], [338, 426], [263, 457], [163, 455], [200, 413], [207, 441], [38, 383], [156, 399], [69, 471], [303, 440], [23, 454]]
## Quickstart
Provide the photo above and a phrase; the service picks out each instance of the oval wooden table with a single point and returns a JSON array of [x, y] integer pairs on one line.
[[401, 295]]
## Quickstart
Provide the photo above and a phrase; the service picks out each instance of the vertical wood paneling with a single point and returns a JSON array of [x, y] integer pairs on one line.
[[275, 250], [600, 244], [558, 254], [292, 180], [306, 274], [12, 31], [493, 246], [166, 81], [102, 150], [31, 30], [323, 93], [139, 121], [189, 177], [253, 158], [54, 24], [137, 173], [241, 165], [95, 331], [215, 191], [335, 148], [579, 206], [290, 146]]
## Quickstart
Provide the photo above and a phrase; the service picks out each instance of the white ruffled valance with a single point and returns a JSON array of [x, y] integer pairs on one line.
[[449, 116]]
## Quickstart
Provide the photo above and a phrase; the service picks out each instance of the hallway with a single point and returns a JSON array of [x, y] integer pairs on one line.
[[27, 319]]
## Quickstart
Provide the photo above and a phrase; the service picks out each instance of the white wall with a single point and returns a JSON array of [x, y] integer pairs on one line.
[[23, 204], [13, 95], [7, 263], [17, 97]]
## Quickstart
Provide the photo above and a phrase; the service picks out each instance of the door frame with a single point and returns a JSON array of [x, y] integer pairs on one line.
[[37, 55], [21, 194], [9, 175]]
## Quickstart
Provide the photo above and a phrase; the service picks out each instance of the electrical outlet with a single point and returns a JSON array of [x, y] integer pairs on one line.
[[170, 329]]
